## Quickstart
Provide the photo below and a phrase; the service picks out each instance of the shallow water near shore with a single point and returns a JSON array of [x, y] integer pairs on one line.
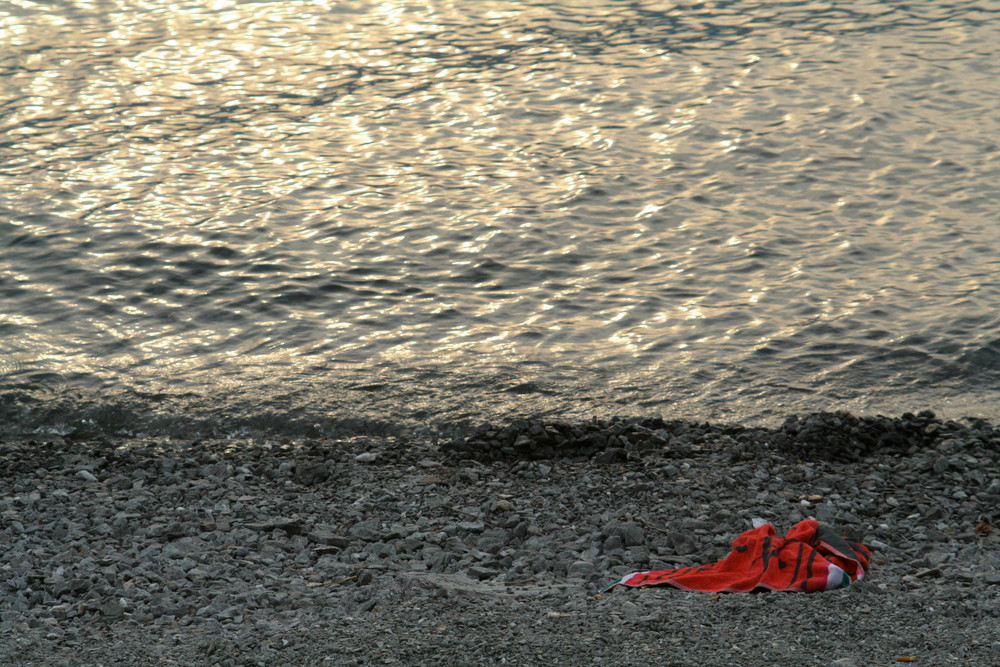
[[310, 217]]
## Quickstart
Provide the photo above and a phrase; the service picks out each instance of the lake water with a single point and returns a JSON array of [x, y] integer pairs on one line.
[[310, 217]]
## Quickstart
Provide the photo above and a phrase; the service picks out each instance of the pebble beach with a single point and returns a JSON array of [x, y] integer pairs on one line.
[[491, 547]]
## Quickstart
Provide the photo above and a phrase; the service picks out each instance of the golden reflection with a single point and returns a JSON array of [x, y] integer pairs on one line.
[[21, 320], [324, 136]]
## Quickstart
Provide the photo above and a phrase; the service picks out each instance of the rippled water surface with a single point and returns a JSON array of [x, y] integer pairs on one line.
[[279, 214]]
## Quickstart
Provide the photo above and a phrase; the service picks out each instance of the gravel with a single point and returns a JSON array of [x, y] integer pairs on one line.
[[491, 549]]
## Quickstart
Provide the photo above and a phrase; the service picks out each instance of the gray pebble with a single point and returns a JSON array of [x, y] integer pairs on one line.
[[174, 552]]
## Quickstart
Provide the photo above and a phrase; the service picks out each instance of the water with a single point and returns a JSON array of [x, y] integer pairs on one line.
[[299, 217]]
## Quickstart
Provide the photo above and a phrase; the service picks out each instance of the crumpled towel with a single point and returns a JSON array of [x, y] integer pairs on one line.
[[808, 559]]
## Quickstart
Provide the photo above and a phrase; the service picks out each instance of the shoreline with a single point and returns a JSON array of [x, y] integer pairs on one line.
[[407, 551]]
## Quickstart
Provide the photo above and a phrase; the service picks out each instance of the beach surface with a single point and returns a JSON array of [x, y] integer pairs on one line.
[[492, 548]]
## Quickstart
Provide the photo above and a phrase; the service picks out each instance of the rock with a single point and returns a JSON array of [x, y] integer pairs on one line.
[[481, 573], [289, 526], [219, 471], [125, 566], [308, 474], [631, 610], [631, 533], [826, 513], [366, 457], [934, 572], [325, 535], [502, 505], [112, 610], [523, 442], [681, 543], [493, 540], [368, 530], [612, 455]]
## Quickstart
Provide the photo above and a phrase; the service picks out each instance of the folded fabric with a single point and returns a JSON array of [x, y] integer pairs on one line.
[[808, 559]]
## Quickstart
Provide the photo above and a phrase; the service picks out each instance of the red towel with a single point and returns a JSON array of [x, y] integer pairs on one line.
[[809, 558]]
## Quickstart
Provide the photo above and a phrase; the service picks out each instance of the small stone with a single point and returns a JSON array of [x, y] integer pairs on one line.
[[638, 555], [631, 610], [630, 533], [219, 471], [290, 526], [230, 613], [848, 517], [308, 474], [612, 455], [581, 568], [937, 557], [826, 513], [325, 535], [368, 530], [493, 540], [612, 543], [681, 543], [86, 475], [112, 609], [366, 457], [523, 442], [327, 551], [437, 561], [934, 572], [481, 573], [502, 506]]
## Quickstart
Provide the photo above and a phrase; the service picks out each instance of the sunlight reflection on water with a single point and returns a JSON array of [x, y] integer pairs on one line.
[[741, 208]]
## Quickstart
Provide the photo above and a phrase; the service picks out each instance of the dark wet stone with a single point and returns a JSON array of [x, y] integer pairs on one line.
[[481, 573]]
